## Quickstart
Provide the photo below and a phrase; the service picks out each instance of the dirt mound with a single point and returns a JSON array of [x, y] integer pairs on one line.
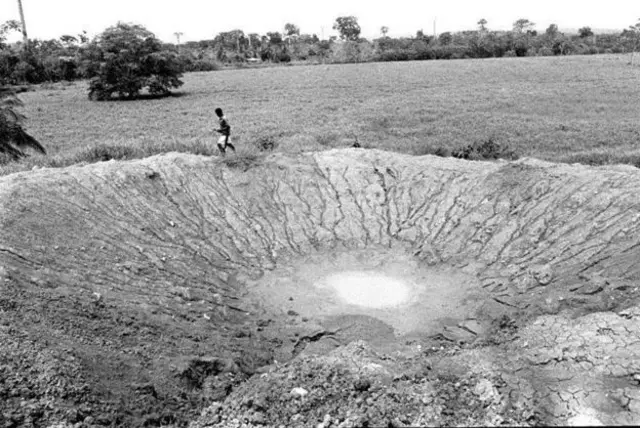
[[138, 293]]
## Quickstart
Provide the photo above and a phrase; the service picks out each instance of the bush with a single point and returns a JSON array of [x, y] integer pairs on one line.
[[545, 52], [484, 150], [443, 152], [266, 143], [129, 58]]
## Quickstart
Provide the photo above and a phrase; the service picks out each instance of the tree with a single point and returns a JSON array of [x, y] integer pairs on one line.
[[83, 37], [482, 25], [13, 138], [24, 25], [445, 38], [631, 38], [523, 26], [68, 41], [585, 32], [384, 30], [552, 31], [291, 30], [130, 58], [275, 38], [348, 28], [5, 28]]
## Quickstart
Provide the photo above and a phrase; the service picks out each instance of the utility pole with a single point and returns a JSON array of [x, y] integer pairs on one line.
[[435, 35], [24, 25], [178, 34]]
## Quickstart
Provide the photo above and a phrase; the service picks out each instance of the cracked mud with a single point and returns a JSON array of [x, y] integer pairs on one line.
[[176, 291]]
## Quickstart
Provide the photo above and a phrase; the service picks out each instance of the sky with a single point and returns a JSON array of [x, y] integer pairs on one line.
[[203, 19]]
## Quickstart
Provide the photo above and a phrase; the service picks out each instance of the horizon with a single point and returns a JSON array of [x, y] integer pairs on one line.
[[199, 21]]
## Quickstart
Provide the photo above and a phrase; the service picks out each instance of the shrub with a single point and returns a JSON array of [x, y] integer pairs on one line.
[[266, 143], [443, 152], [484, 150], [545, 52], [283, 57], [130, 59]]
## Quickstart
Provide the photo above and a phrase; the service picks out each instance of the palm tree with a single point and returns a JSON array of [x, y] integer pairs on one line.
[[24, 25], [12, 137]]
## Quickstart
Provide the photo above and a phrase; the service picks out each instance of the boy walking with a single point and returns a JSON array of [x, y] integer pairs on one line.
[[225, 131]]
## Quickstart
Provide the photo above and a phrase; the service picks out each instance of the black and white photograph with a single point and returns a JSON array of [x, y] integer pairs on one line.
[[331, 214]]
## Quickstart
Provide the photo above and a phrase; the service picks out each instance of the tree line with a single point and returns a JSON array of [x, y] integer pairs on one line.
[[77, 57]]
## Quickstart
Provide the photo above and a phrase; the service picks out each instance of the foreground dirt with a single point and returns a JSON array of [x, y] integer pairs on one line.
[[175, 289]]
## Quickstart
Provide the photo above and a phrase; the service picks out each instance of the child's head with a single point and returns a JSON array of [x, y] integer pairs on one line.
[[219, 112]]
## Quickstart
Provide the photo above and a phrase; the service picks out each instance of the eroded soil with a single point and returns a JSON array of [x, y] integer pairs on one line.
[[174, 289]]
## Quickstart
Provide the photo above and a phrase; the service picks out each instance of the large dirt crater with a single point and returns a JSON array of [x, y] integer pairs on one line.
[[131, 290]]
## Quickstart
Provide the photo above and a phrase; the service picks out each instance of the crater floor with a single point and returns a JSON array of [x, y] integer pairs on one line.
[[389, 288]]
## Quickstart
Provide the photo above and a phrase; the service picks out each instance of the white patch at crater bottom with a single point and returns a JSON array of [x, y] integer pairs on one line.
[[369, 289]]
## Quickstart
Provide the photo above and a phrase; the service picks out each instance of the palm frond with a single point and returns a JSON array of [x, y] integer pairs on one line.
[[10, 101], [11, 115], [13, 137], [7, 148], [21, 139]]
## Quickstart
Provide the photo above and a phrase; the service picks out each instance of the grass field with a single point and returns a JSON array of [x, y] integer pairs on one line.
[[575, 109]]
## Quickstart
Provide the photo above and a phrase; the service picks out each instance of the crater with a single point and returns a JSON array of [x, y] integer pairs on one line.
[[145, 279]]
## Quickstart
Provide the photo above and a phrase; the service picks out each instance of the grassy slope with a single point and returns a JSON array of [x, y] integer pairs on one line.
[[571, 108]]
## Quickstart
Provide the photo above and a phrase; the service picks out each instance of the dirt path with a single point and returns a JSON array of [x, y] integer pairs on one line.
[[138, 292]]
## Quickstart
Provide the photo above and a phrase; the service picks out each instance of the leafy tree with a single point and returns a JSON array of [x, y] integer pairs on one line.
[[68, 41], [585, 32], [291, 30], [83, 37], [229, 42], [292, 33], [523, 26], [445, 38], [482, 25], [130, 58], [348, 28], [384, 30], [552, 31], [13, 138], [275, 38], [5, 28], [631, 38]]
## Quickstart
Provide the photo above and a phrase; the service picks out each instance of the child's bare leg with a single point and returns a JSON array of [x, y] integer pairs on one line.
[[222, 150], [232, 148]]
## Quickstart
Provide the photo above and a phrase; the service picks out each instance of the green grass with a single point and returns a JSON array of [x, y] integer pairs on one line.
[[581, 108]]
